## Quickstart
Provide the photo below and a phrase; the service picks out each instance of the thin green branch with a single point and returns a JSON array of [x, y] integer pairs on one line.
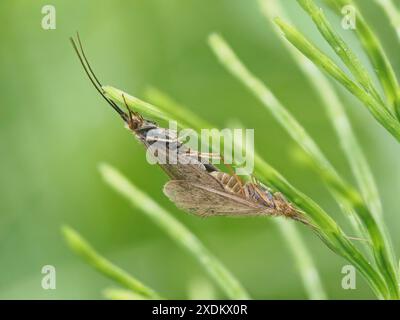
[[82, 248], [376, 54], [340, 47], [382, 115], [141, 106], [176, 230], [341, 189]]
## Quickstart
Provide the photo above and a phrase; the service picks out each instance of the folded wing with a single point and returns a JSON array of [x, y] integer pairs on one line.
[[206, 201]]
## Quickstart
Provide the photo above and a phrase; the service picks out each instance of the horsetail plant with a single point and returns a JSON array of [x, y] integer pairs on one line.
[[345, 194], [350, 145], [338, 117], [376, 54], [363, 207], [381, 114]]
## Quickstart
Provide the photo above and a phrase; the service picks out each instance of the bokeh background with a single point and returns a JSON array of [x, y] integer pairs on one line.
[[55, 130]]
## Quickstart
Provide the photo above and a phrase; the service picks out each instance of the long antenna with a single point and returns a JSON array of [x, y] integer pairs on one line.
[[92, 77]]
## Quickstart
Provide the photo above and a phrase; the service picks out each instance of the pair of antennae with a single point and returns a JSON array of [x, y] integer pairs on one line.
[[92, 76]]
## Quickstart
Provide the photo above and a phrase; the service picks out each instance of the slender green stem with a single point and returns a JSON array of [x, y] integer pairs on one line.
[[344, 192], [340, 47], [82, 248], [141, 106], [383, 252], [307, 269], [376, 54], [382, 115], [176, 230]]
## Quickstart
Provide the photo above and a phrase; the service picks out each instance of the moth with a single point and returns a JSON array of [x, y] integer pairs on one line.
[[197, 187]]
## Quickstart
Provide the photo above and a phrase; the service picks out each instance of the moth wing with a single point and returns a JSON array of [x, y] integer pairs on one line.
[[193, 172], [187, 167], [205, 201]]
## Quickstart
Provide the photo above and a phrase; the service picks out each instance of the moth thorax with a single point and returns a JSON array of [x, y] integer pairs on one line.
[[230, 183]]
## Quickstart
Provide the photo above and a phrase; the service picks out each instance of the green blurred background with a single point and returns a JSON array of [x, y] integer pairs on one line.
[[55, 130]]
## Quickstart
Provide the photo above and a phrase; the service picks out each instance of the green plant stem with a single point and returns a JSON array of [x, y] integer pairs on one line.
[[340, 47], [382, 115], [341, 189], [376, 54], [176, 230], [82, 248], [305, 264], [139, 105], [381, 244]]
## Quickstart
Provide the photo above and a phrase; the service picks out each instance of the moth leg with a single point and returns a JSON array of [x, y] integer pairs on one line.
[[280, 196], [155, 139], [133, 116], [130, 113], [204, 155], [261, 194]]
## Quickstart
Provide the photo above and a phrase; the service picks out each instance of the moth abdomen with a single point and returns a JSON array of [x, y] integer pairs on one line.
[[230, 183]]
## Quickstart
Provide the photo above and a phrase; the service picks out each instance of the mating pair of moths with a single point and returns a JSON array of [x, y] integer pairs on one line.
[[198, 187]]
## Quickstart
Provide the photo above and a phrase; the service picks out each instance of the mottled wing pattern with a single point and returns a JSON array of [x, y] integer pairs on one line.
[[205, 201]]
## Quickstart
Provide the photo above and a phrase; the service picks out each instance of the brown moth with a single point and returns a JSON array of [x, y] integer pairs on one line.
[[195, 186]]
